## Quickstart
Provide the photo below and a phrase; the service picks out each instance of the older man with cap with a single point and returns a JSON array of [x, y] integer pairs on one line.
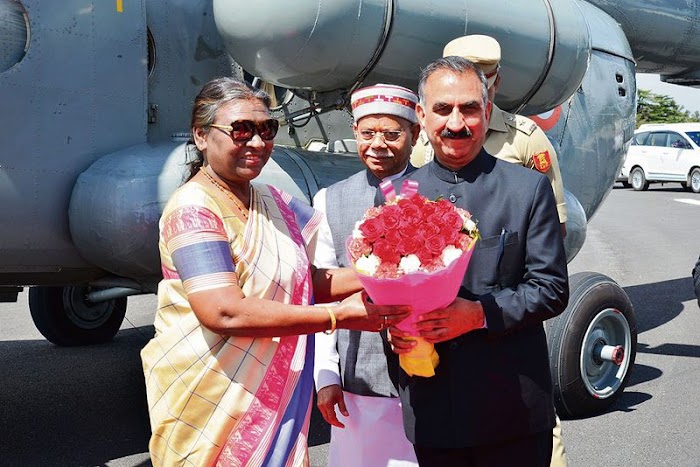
[[510, 137], [356, 372]]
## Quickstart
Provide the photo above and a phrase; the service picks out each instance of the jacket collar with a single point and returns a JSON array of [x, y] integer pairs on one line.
[[482, 163]]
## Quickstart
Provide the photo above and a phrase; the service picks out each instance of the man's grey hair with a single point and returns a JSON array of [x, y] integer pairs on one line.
[[457, 65]]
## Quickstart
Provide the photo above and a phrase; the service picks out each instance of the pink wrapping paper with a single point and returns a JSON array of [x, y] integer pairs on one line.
[[424, 292]]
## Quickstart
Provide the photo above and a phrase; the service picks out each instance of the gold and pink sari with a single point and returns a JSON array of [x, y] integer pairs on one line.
[[230, 400]]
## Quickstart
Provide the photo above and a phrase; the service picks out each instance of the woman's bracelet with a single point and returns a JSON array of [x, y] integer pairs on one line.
[[332, 315]]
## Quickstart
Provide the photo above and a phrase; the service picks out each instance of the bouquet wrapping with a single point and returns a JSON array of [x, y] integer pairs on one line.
[[413, 251]]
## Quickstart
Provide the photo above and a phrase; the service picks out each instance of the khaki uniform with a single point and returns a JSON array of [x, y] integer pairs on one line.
[[516, 139]]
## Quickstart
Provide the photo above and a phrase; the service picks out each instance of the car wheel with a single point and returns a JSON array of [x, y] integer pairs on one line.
[[695, 180], [638, 180]]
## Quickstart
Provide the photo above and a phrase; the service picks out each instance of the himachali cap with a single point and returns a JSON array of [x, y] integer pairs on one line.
[[384, 99], [484, 51]]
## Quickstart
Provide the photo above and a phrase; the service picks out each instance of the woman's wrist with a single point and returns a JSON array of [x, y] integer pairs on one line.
[[333, 321]]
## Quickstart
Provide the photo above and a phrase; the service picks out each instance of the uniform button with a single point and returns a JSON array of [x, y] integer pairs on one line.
[[453, 345], [452, 198]]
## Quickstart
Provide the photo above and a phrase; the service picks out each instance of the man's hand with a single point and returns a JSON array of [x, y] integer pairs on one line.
[[460, 317], [401, 341], [326, 400]]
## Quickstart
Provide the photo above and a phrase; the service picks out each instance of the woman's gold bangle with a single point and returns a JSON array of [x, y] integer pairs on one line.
[[332, 315]]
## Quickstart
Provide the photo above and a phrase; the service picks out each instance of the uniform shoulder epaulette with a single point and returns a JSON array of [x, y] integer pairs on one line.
[[521, 123]]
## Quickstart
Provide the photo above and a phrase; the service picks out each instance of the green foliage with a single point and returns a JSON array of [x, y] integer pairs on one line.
[[657, 108]]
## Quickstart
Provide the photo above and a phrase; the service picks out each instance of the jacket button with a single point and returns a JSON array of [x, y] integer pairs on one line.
[[453, 345], [452, 198]]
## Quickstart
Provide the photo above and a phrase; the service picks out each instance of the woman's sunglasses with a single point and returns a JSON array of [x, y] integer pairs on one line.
[[244, 130]]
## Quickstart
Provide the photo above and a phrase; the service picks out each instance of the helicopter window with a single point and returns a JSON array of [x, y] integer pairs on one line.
[[14, 33], [151, 52]]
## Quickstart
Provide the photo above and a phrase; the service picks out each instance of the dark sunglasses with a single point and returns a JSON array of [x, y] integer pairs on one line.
[[244, 130]]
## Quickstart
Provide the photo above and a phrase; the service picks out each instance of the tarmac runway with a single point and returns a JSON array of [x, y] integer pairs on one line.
[[86, 406]]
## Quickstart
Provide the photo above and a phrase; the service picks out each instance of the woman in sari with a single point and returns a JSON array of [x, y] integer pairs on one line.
[[229, 373]]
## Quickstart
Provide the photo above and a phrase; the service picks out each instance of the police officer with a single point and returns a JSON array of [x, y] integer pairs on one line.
[[510, 137]]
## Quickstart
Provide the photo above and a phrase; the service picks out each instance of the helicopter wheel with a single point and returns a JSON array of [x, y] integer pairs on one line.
[[592, 346], [64, 316]]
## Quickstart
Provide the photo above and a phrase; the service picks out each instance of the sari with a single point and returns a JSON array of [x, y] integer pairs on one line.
[[222, 400]]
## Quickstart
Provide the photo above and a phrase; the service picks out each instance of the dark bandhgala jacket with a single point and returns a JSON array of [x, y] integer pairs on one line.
[[494, 384]]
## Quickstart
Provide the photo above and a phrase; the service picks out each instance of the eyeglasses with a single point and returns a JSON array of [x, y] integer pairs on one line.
[[245, 130], [393, 135]]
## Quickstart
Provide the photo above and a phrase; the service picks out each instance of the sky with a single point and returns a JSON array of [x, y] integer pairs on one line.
[[686, 96]]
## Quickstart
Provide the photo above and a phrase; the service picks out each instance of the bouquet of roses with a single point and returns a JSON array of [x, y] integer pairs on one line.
[[413, 251]]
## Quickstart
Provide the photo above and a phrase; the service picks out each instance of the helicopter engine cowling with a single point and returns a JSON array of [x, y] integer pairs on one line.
[[329, 45], [117, 202]]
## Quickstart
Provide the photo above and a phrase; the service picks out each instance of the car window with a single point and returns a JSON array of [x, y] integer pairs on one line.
[[676, 140], [658, 138], [695, 136], [640, 138]]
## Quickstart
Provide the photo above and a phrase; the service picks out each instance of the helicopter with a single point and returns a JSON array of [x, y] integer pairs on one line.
[[94, 113]]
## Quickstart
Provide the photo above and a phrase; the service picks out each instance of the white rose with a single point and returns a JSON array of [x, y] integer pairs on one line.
[[449, 254], [367, 264], [409, 264]]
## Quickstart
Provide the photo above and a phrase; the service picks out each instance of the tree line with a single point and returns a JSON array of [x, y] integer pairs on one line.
[[657, 108]]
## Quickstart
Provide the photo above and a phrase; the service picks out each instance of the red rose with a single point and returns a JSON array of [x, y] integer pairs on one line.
[[391, 217], [410, 222], [372, 228], [409, 245], [434, 218], [449, 235], [434, 265], [428, 210], [428, 230], [410, 210], [452, 220], [359, 247], [393, 237], [425, 254], [386, 252], [418, 200], [444, 206], [408, 230], [436, 244]]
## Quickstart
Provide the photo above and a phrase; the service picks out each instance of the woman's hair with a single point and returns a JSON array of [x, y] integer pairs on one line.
[[213, 95]]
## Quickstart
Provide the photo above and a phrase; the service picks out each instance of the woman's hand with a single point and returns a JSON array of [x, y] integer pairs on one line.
[[358, 313]]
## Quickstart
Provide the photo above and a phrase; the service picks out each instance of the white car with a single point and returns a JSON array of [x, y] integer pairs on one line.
[[663, 152]]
